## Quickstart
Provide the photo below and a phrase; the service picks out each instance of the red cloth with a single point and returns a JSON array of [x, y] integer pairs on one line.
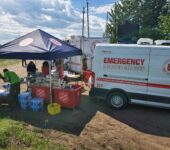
[[45, 70]]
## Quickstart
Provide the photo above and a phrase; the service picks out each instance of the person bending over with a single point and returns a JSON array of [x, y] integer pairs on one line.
[[14, 80]]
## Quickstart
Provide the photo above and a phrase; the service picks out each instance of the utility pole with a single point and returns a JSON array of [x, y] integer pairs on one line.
[[83, 22], [106, 23], [88, 19], [82, 38]]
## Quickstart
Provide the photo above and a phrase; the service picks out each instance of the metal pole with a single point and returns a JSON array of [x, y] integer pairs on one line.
[[81, 40], [83, 23], [106, 24], [88, 19], [51, 98]]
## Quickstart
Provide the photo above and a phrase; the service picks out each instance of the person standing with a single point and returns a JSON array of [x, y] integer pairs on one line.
[[31, 68], [14, 80], [60, 68], [45, 68]]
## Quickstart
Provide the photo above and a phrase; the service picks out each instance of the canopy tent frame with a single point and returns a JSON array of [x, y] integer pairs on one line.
[[38, 45]]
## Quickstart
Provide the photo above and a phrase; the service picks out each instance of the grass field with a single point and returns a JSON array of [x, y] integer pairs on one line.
[[8, 62], [15, 135]]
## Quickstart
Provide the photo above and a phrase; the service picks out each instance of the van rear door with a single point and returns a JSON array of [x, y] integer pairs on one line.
[[159, 75]]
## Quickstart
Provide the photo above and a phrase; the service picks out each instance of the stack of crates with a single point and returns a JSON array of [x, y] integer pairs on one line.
[[36, 104], [24, 100], [27, 102]]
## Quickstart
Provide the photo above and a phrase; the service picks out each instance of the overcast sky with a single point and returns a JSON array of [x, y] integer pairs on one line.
[[60, 18]]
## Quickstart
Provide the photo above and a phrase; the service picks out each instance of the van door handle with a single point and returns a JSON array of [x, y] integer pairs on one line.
[[105, 75]]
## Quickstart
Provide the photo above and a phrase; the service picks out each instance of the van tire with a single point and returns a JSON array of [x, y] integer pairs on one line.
[[117, 100]]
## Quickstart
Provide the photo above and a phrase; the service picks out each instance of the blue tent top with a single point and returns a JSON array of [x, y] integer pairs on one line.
[[38, 45]]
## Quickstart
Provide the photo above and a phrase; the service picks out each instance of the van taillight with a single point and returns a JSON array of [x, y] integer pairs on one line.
[[91, 80]]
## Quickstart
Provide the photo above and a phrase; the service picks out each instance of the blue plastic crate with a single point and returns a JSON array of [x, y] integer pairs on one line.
[[36, 104], [24, 104], [24, 100], [25, 95]]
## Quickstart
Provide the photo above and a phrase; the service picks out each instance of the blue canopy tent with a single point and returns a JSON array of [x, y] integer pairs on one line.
[[38, 45]]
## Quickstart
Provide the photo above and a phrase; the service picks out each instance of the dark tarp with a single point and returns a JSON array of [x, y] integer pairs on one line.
[[37, 45]]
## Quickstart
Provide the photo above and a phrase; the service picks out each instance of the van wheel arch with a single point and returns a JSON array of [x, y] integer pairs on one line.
[[119, 93]]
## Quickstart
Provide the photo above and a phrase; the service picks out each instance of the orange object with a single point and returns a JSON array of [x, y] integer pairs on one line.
[[87, 74], [41, 92], [69, 98]]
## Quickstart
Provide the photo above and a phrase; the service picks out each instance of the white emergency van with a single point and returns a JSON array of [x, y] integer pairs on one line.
[[132, 74]]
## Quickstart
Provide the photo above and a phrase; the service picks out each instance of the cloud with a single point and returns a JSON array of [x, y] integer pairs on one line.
[[10, 29], [55, 13], [20, 16], [57, 17], [97, 25], [101, 9]]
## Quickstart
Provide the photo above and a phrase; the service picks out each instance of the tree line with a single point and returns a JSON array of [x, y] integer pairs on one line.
[[152, 16]]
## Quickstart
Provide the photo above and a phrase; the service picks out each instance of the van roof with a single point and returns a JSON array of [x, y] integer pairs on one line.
[[162, 42], [132, 45]]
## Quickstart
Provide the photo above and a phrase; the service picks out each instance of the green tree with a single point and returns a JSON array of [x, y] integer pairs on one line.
[[149, 12], [143, 12], [120, 13], [114, 21], [164, 23], [151, 32]]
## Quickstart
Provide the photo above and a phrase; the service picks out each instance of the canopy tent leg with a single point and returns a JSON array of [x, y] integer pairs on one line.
[[51, 97]]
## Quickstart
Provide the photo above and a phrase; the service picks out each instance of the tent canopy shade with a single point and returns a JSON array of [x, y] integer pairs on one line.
[[38, 45]]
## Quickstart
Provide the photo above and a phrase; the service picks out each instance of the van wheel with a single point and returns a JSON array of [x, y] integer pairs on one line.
[[117, 100]]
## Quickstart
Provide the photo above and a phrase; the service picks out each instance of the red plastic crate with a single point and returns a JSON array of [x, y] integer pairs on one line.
[[69, 98], [87, 74], [41, 92]]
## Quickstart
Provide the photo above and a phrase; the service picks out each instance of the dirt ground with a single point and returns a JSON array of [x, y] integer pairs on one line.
[[94, 125]]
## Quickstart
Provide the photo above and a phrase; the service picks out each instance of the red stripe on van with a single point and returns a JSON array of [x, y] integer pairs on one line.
[[134, 83], [163, 86]]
